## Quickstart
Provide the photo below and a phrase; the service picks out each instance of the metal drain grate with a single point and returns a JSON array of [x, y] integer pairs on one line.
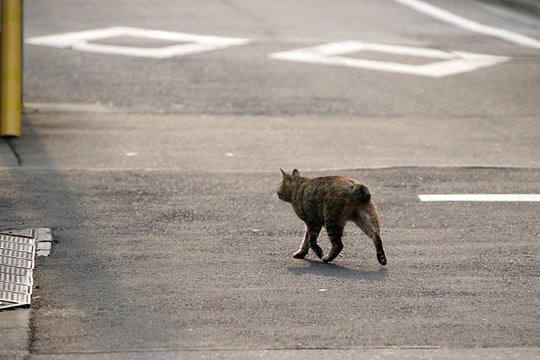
[[17, 254]]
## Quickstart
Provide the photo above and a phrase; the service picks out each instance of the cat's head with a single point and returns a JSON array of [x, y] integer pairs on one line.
[[286, 185]]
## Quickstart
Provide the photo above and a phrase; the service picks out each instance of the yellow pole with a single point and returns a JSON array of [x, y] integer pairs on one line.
[[11, 103]]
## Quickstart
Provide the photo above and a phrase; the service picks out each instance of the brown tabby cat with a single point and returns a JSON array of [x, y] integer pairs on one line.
[[330, 202]]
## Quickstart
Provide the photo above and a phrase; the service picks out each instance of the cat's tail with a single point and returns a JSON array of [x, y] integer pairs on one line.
[[361, 193]]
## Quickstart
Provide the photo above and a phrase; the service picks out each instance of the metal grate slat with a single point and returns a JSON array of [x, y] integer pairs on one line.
[[17, 260]]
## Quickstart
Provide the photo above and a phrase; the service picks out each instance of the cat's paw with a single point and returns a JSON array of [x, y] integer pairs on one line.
[[318, 251], [327, 259], [382, 258], [300, 254]]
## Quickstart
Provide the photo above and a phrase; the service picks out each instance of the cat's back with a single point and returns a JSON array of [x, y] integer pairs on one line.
[[318, 195], [318, 189]]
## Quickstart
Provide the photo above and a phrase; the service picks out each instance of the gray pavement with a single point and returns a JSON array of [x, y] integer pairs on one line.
[[15, 333], [243, 80], [383, 354], [199, 258], [120, 140], [158, 179]]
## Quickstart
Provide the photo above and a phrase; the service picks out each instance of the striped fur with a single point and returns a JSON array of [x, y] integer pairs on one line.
[[330, 202]]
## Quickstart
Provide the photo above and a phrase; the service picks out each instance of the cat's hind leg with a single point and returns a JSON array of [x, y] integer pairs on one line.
[[335, 233], [310, 241], [367, 220]]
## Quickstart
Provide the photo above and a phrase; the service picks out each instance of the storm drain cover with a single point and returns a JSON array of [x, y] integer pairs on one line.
[[17, 259]]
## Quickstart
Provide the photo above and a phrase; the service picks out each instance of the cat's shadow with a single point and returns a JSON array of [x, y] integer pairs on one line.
[[347, 270]]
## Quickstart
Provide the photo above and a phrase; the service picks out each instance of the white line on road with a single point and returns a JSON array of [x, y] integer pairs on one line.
[[448, 62], [188, 43], [451, 18], [482, 197]]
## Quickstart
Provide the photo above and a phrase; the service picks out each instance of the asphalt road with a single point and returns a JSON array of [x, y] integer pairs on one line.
[[243, 80], [158, 179]]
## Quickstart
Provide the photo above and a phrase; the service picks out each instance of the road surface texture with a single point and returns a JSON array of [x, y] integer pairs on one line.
[[158, 177]]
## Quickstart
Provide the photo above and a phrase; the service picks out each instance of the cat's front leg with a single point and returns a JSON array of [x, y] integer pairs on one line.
[[310, 241], [313, 234], [304, 247]]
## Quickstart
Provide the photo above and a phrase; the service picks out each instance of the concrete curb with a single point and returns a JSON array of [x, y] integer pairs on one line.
[[307, 354]]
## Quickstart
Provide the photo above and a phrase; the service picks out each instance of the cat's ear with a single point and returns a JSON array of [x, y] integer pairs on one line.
[[283, 172], [296, 173]]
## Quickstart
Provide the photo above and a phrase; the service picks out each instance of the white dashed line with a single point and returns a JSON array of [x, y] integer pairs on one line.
[[482, 197]]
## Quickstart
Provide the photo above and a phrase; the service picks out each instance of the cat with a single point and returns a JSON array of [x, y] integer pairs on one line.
[[330, 202]]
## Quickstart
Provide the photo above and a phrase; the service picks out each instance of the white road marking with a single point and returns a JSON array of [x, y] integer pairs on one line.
[[459, 21], [453, 62], [82, 41], [69, 107], [482, 197]]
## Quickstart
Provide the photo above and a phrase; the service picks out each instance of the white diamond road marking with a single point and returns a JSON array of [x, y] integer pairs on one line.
[[453, 62], [82, 41], [482, 197]]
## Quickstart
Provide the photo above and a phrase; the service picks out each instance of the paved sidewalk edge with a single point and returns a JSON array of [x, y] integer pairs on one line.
[[315, 354]]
